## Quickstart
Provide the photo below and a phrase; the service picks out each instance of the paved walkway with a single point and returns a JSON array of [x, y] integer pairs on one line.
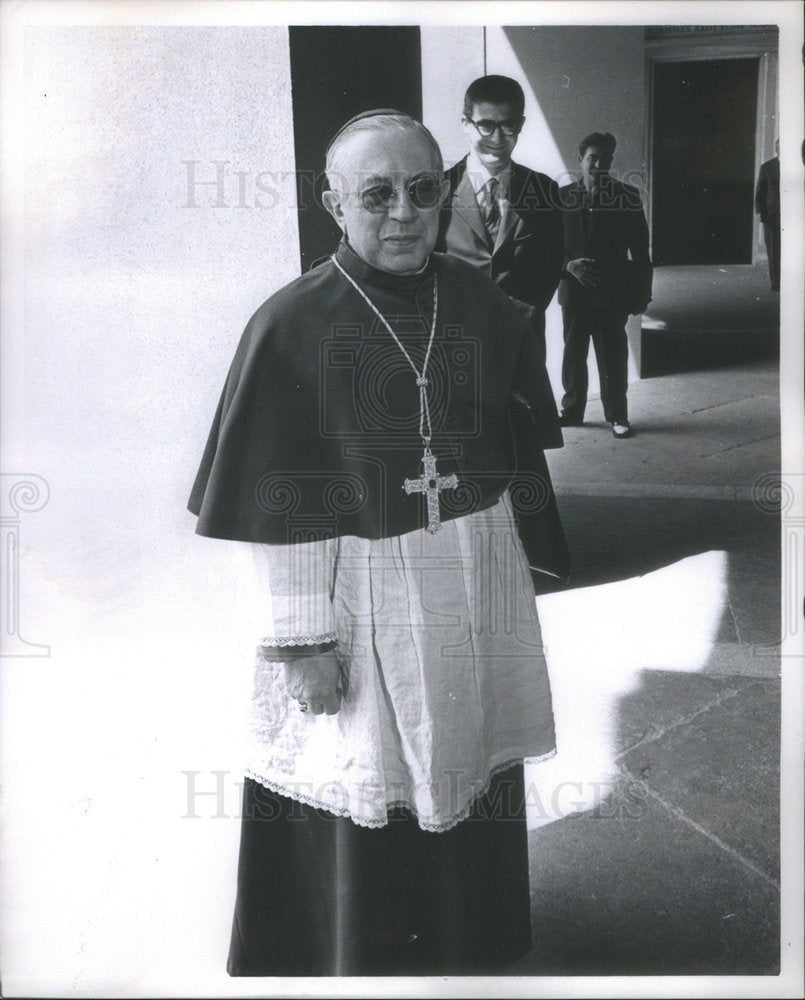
[[654, 833]]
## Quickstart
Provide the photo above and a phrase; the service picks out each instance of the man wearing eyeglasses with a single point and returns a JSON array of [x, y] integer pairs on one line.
[[360, 458], [500, 216]]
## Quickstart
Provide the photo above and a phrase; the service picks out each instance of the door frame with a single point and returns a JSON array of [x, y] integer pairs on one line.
[[696, 43]]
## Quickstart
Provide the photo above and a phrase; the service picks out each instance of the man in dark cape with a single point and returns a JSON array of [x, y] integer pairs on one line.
[[364, 451], [296, 408]]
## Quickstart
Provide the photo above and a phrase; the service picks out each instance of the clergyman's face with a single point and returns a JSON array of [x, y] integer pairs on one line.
[[387, 198], [595, 163], [495, 150]]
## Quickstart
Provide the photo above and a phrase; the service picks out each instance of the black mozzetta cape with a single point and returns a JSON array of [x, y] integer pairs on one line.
[[318, 424]]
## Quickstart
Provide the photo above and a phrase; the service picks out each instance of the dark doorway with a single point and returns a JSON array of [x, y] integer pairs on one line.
[[704, 161], [337, 73]]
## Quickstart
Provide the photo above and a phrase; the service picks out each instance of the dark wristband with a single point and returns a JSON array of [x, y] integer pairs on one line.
[[281, 654]]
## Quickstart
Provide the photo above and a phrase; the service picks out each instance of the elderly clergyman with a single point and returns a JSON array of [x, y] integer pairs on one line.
[[379, 434]]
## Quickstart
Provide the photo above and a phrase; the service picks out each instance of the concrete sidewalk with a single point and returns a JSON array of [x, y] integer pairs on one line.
[[654, 833]]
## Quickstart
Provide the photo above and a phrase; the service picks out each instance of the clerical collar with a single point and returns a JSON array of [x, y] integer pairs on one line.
[[480, 176], [366, 274]]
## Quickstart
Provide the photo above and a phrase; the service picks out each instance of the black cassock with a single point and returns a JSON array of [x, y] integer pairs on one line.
[[316, 430]]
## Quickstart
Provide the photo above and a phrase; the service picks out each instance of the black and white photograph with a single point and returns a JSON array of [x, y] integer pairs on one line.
[[402, 490]]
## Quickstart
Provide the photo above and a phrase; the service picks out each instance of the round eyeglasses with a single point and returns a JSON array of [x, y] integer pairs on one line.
[[487, 126], [424, 192]]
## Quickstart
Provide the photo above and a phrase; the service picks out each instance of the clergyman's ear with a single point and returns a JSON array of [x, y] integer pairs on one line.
[[332, 202]]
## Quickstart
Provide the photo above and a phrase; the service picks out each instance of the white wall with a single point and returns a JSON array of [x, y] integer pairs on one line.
[[579, 80], [138, 284], [135, 291], [452, 58]]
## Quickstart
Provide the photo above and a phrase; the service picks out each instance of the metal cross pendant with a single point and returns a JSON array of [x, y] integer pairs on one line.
[[430, 483]]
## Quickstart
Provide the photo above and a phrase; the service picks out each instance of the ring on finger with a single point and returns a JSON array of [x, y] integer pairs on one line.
[[303, 706]]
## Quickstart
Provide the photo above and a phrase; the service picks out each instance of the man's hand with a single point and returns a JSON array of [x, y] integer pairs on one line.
[[314, 681], [585, 271]]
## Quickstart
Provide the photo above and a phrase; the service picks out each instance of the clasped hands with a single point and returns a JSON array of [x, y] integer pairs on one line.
[[314, 681], [585, 271]]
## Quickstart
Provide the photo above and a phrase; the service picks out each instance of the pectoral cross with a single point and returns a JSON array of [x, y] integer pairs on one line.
[[430, 483]]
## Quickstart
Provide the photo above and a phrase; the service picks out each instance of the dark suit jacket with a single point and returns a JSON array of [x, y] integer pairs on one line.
[[526, 259], [767, 193], [611, 230]]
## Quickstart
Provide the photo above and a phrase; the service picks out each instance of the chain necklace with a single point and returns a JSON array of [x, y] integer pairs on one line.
[[429, 482]]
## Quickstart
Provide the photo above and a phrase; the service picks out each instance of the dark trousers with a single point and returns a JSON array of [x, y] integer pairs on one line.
[[771, 236], [583, 322]]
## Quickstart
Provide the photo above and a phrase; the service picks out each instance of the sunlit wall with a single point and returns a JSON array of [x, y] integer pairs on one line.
[[151, 235]]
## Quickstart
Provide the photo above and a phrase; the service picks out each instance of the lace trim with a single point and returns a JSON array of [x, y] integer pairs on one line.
[[376, 824], [298, 640]]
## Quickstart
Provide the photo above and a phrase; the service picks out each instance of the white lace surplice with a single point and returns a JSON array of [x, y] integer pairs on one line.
[[445, 679]]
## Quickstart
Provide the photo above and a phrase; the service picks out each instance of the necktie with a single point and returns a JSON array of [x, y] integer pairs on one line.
[[490, 207]]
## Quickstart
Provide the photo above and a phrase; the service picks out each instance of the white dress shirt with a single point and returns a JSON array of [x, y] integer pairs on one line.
[[479, 177]]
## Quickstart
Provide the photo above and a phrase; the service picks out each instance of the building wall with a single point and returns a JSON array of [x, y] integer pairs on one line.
[[451, 59], [580, 80], [157, 220]]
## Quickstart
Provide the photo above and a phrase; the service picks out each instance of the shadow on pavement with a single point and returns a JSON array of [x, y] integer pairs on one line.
[[675, 871], [657, 852], [673, 352]]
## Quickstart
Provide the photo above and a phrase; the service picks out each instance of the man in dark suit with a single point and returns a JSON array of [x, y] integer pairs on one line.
[[607, 275], [767, 206], [500, 216]]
